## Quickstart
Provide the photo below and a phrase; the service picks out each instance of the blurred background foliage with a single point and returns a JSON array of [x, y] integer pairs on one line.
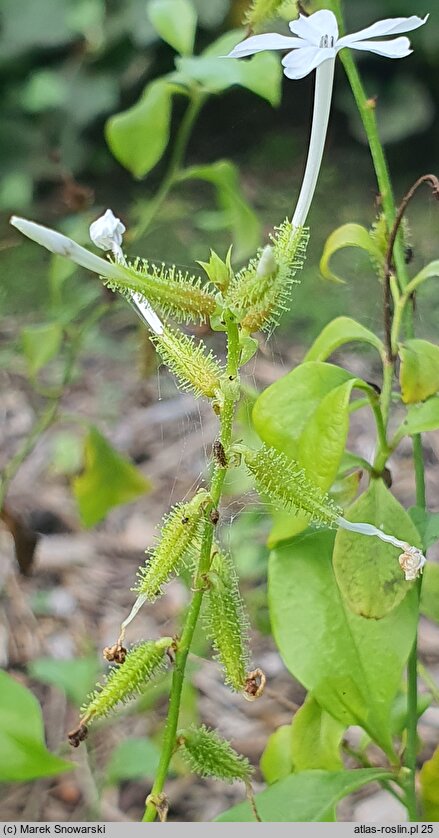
[[66, 66]]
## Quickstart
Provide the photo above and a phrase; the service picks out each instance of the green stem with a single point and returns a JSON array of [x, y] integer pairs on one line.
[[367, 112], [173, 171], [185, 642]]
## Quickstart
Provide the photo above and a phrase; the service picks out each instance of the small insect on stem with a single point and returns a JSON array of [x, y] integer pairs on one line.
[[214, 517], [219, 454]]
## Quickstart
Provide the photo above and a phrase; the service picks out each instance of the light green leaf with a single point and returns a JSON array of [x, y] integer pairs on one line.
[[242, 220], [333, 652], [277, 761], [337, 333], [175, 21], [138, 137], [282, 411], [430, 270], [429, 777], [419, 370], [133, 759], [348, 235], [108, 480], [367, 569], [420, 418], [40, 345], [306, 797], [262, 74], [22, 746], [75, 677], [315, 738], [345, 489], [430, 592]]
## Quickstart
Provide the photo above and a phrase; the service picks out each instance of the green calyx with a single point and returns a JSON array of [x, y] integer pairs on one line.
[[210, 756], [226, 621], [179, 537], [175, 293], [261, 291], [287, 485], [125, 681], [194, 367]]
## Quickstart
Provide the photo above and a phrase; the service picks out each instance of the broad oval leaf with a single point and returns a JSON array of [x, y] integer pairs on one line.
[[277, 761], [108, 480], [367, 569], [22, 746], [420, 418], [307, 797], [419, 370], [175, 21], [333, 652], [139, 136], [348, 235], [75, 677], [337, 333], [316, 737], [133, 759]]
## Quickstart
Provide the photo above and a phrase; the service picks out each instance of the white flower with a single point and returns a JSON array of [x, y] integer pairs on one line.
[[318, 41], [107, 231], [315, 48]]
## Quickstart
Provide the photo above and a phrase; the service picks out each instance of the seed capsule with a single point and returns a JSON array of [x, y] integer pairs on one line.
[[210, 756]]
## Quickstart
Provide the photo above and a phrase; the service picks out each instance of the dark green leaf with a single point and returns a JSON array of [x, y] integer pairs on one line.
[[75, 677]]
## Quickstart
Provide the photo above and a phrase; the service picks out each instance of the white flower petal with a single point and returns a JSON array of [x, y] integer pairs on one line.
[[396, 48], [390, 26], [63, 246], [298, 64], [314, 27], [258, 43]]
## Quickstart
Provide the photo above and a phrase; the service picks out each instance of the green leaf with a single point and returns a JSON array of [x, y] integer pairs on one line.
[[333, 652], [108, 480], [430, 270], [242, 220], [276, 760], [430, 592], [419, 370], [22, 746], [282, 411], [429, 777], [40, 345], [262, 74], [367, 569], [75, 677], [139, 136], [420, 418], [427, 525], [337, 333], [316, 738], [175, 22], [348, 235], [306, 797], [133, 759]]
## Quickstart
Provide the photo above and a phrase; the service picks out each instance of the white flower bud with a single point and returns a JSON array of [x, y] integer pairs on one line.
[[107, 231]]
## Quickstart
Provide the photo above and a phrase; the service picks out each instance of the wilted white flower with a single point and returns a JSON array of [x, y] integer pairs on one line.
[[314, 47], [412, 562], [107, 231]]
